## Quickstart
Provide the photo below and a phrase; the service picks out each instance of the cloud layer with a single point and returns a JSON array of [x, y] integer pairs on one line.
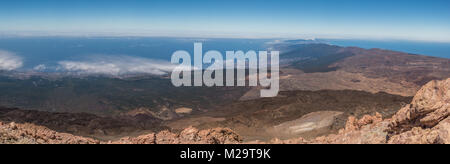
[[117, 65], [10, 61]]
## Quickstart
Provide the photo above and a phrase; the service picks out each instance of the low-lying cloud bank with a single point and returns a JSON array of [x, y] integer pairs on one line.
[[117, 65], [10, 61], [40, 67]]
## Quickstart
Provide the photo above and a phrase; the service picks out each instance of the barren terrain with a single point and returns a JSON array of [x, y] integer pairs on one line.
[[343, 93]]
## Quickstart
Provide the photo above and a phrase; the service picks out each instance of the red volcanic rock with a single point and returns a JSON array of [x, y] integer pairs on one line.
[[439, 134], [430, 106], [426, 120], [144, 139], [188, 136], [13, 133], [355, 124], [220, 136]]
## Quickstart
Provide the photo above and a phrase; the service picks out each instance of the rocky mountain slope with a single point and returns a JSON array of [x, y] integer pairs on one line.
[[319, 112], [425, 121]]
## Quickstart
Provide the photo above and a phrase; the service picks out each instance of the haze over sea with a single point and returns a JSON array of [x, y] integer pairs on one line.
[[48, 52]]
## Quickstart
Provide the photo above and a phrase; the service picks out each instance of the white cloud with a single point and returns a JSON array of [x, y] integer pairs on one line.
[[117, 65], [10, 61], [40, 67]]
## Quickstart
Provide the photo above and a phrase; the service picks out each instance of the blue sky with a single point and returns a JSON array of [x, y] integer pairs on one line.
[[362, 19]]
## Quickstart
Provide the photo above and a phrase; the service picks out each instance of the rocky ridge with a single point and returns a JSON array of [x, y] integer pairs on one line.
[[14, 133]]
